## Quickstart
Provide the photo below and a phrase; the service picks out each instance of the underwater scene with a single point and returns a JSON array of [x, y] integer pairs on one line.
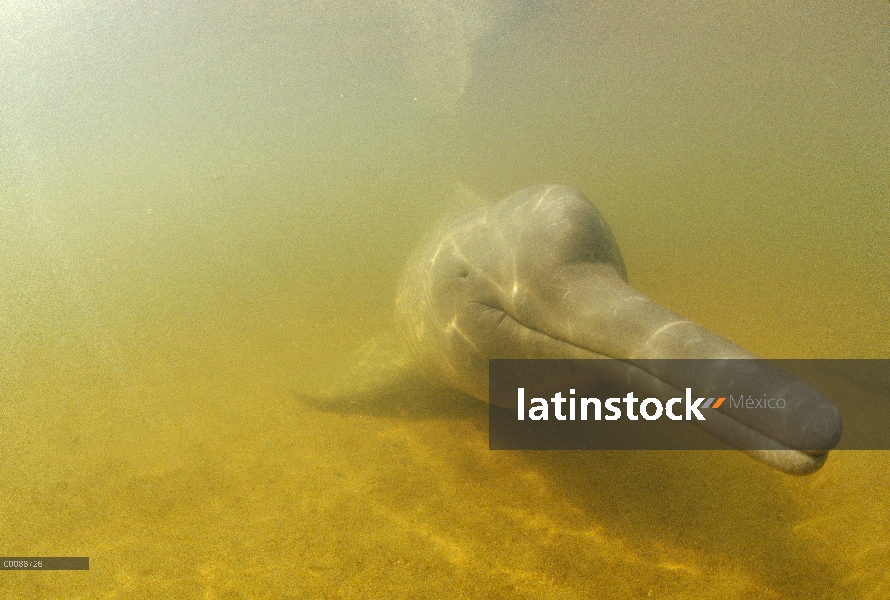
[[206, 211]]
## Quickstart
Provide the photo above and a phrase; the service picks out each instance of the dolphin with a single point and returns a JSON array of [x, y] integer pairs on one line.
[[539, 275]]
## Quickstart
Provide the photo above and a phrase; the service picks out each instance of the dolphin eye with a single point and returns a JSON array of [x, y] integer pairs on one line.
[[462, 273]]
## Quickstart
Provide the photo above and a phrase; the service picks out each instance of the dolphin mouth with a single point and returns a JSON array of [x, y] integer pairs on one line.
[[796, 445]]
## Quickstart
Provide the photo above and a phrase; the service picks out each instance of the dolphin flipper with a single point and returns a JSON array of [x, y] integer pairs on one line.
[[383, 380]]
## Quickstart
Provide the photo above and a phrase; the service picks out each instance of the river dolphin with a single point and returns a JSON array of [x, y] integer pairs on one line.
[[539, 275]]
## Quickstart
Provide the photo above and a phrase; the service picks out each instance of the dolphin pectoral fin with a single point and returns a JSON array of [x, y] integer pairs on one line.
[[382, 380], [410, 396]]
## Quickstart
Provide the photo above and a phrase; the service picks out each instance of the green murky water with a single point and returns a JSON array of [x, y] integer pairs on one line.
[[205, 208]]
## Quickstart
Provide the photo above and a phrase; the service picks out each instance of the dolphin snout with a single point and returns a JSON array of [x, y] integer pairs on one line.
[[621, 323]]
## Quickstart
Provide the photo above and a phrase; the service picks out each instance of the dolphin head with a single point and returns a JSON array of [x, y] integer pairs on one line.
[[540, 275]]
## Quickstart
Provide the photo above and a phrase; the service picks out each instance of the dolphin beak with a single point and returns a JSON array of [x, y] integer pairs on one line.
[[600, 315]]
